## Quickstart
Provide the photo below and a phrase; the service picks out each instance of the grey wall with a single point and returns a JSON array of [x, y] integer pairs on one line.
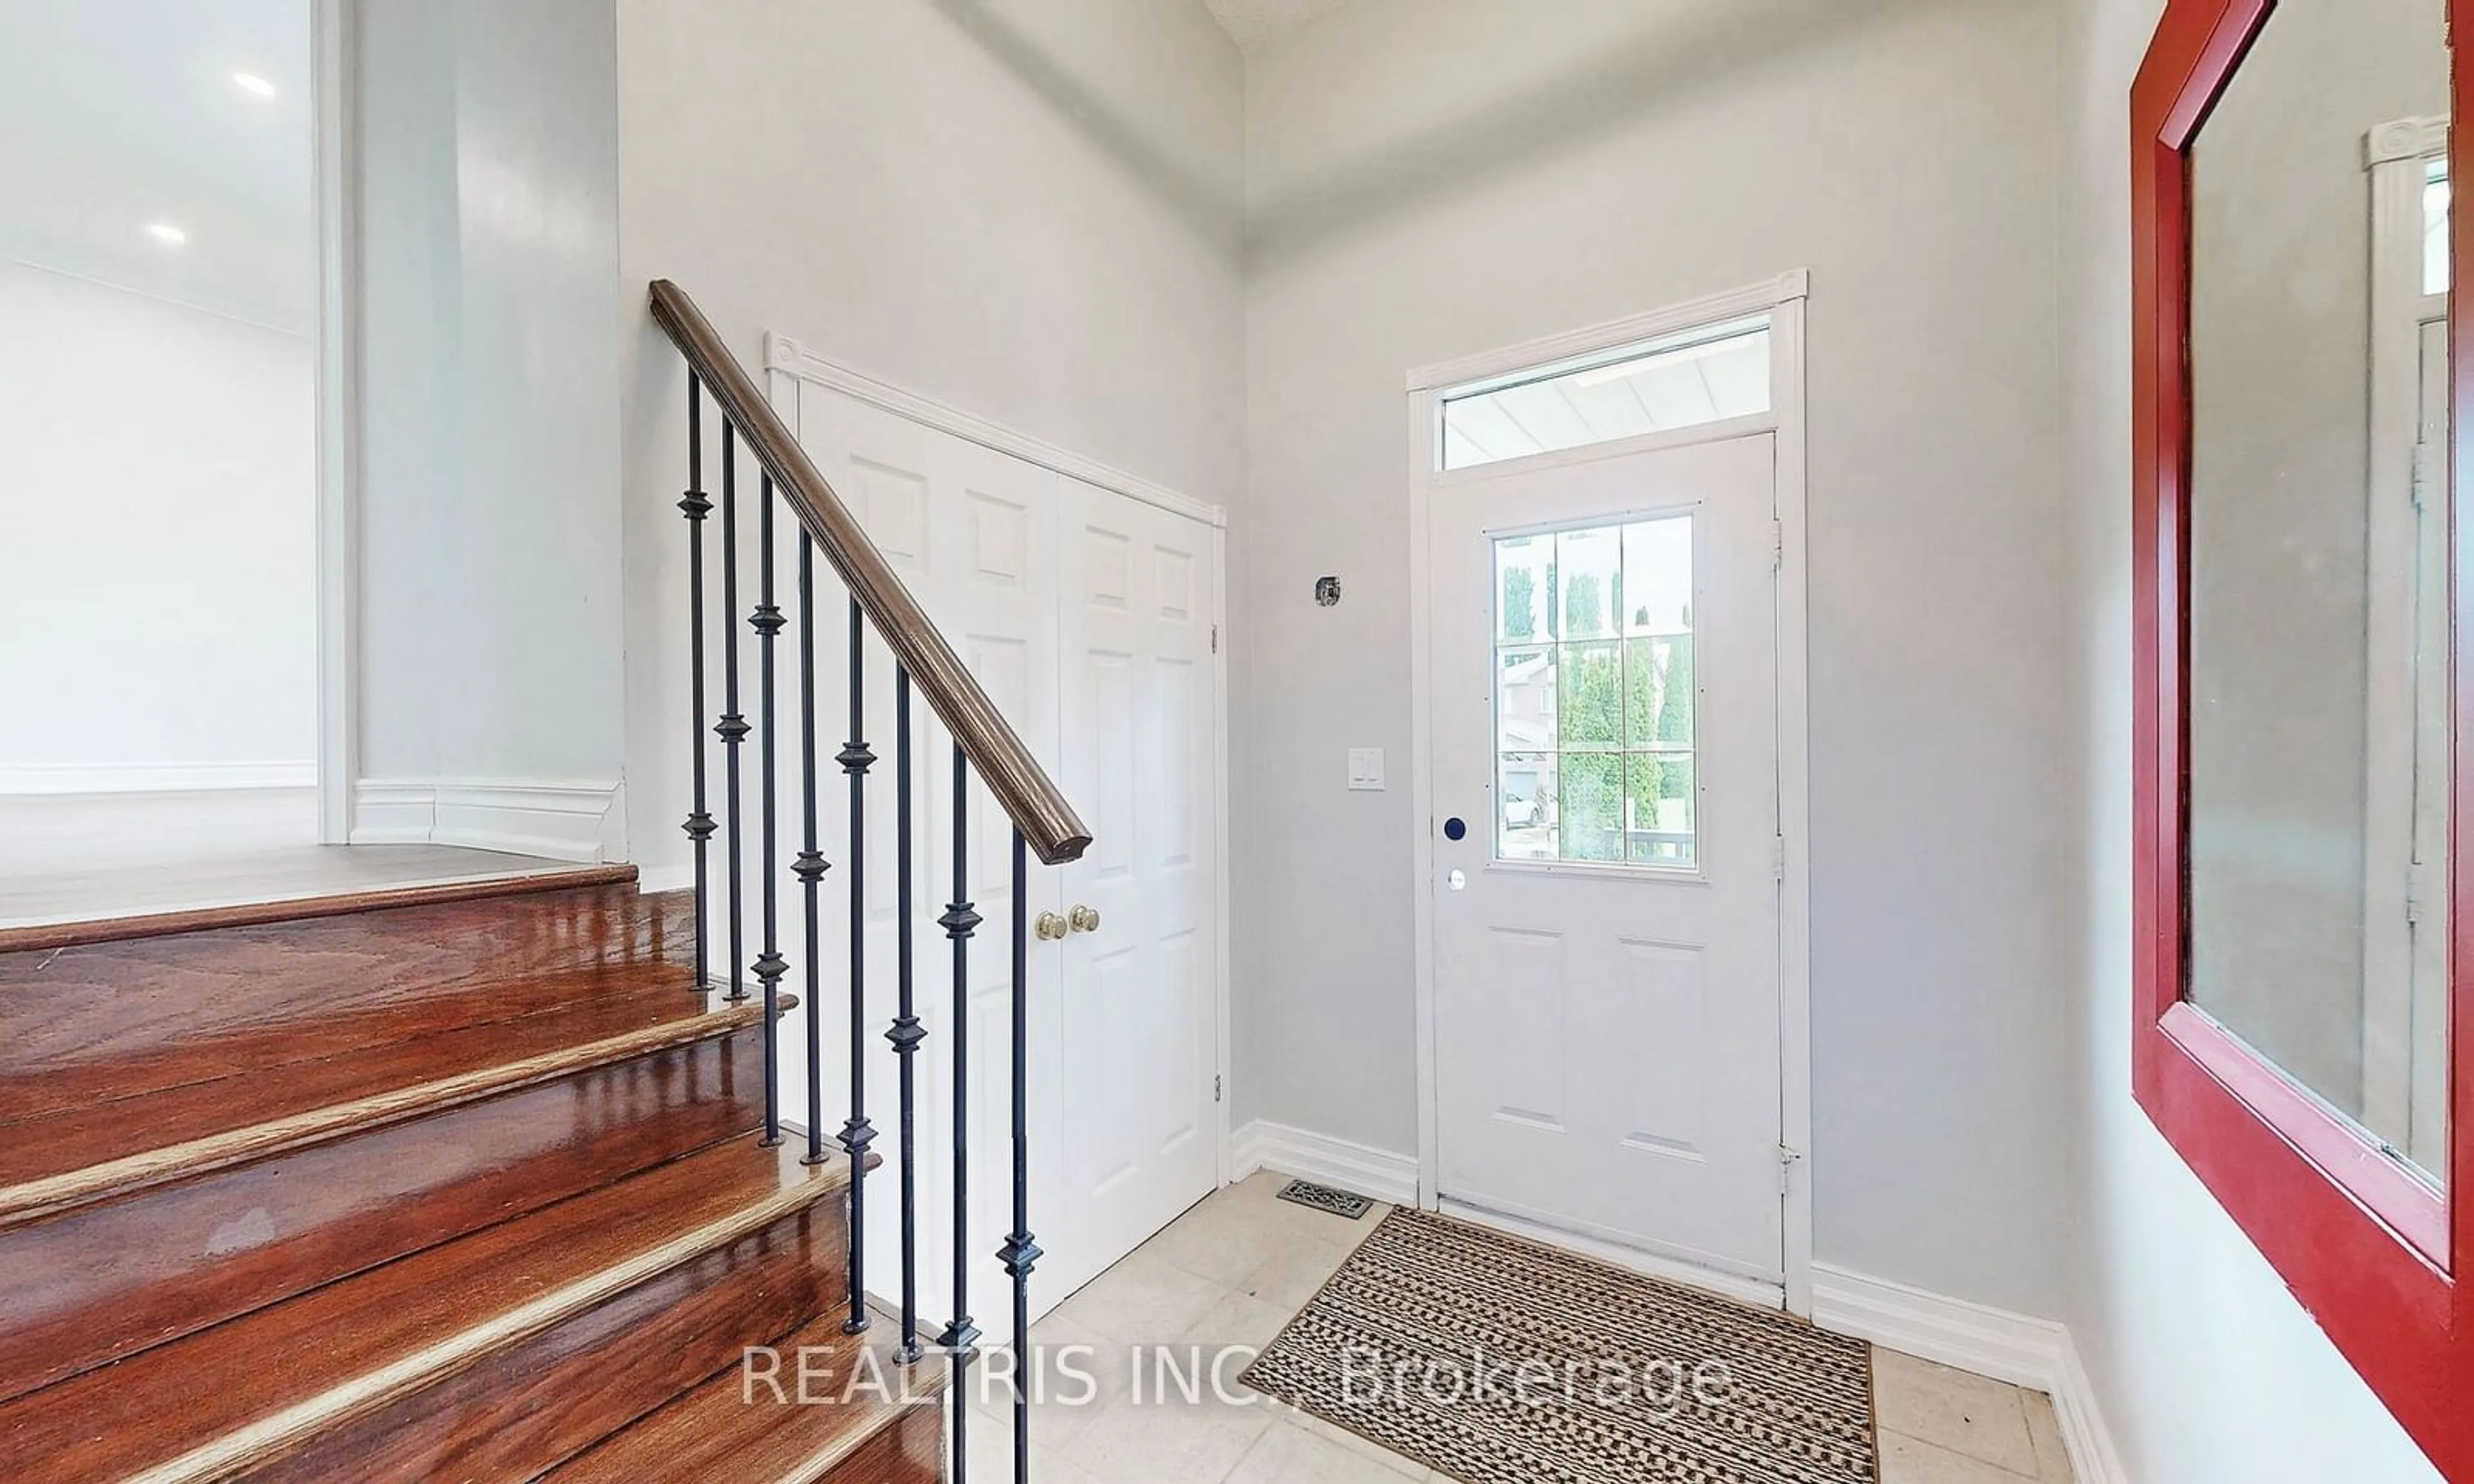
[[491, 635], [2208, 1370], [1427, 181], [1024, 208]]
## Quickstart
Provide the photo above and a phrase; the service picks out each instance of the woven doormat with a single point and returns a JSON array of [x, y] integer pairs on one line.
[[1499, 1361]]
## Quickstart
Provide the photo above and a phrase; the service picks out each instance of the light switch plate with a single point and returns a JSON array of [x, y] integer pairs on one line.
[[1365, 768]]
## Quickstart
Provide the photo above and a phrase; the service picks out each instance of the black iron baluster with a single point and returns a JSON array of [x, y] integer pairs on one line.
[[771, 964], [1020, 1252], [960, 922], [905, 1034], [695, 505], [857, 1134], [733, 728], [810, 867]]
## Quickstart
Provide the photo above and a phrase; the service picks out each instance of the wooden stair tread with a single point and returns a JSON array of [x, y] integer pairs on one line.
[[40, 936], [712, 1432], [254, 1388], [116, 1018], [108, 1279], [82, 1155]]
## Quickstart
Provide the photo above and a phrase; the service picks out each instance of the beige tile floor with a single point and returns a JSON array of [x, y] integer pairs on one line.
[[1235, 1268]]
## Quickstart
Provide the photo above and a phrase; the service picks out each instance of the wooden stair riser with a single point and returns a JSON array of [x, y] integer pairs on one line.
[[122, 1019], [95, 1285], [911, 1450], [818, 1413], [300, 909], [535, 1403]]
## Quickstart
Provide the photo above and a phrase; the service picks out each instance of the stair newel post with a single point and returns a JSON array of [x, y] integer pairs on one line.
[[857, 1134], [905, 1034], [733, 728], [770, 965], [960, 922], [696, 505], [810, 867], [1020, 1252]]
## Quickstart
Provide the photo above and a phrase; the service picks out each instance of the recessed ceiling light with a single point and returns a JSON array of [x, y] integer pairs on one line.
[[251, 82], [167, 234]]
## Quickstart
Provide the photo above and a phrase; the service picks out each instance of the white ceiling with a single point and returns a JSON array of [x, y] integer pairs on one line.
[[115, 114], [1254, 22]]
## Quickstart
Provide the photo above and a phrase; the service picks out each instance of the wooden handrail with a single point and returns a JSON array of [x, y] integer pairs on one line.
[[1028, 795]]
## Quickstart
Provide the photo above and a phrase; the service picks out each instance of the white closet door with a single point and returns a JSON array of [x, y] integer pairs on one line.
[[1136, 722], [973, 534]]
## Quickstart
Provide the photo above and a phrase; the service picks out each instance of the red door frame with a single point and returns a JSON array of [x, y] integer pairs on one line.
[[2368, 1250]]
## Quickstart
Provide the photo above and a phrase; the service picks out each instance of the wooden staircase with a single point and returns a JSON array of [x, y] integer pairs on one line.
[[465, 1185]]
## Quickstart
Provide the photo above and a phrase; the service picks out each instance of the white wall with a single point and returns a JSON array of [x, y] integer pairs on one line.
[[158, 576], [2208, 1370], [1024, 208], [1427, 181], [491, 639]]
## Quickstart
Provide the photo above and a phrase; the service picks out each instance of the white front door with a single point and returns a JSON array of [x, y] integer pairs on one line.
[[1606, 896], [1139, 1141]]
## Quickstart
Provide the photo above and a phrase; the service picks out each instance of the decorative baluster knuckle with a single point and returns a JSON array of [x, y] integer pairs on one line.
[[958, 921], [906, 1035], [699, 826], [808, 865], [1019, 1254], [856, 757]]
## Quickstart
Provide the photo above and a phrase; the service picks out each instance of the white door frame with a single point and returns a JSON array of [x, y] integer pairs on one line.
[[789, 364], [334, 154], [1782, 299]]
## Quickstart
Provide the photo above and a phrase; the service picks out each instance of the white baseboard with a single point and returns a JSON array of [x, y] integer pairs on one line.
[[2036, 1353], [183, 778], [2083, 1431], [1361, 1169], [560, 820], [65, 829]]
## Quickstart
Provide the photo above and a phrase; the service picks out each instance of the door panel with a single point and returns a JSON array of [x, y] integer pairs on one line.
[[1603, 718], [973, 534], [1139, 993]]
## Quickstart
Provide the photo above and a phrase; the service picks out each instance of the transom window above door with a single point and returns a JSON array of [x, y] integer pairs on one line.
[[1593, 694], [1710, 375]]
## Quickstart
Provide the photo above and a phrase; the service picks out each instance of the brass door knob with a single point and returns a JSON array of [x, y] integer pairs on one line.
[[1050, 926], [1084, 919]]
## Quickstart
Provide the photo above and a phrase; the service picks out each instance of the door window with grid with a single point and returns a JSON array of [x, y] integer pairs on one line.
[[1593, 694]]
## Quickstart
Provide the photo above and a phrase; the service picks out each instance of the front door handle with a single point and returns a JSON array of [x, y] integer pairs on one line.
[[1084, 919], [1050, 926]]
